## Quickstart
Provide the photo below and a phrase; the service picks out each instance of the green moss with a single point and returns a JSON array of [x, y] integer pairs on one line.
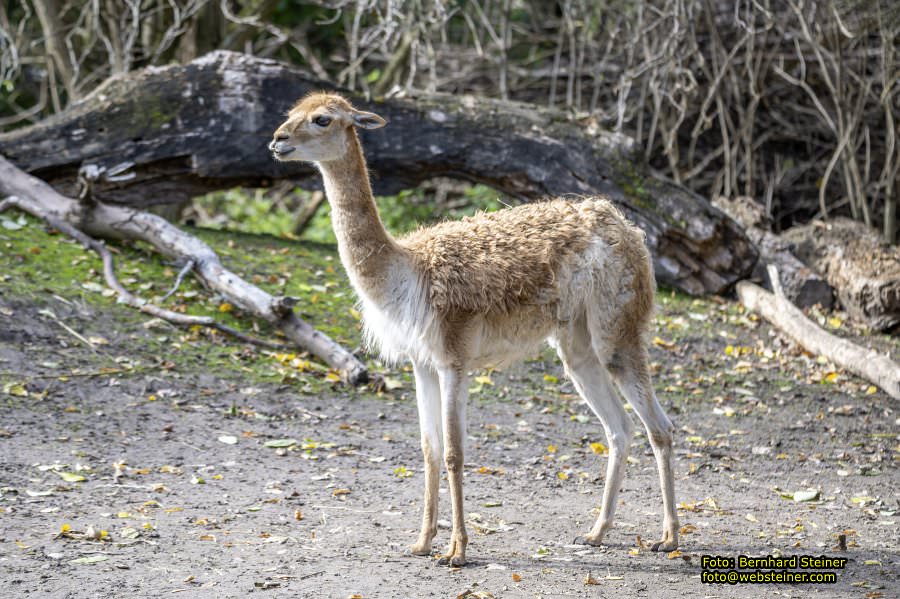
[[38, 265]]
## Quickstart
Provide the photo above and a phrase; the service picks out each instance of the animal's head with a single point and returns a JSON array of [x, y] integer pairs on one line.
[[319, 127]]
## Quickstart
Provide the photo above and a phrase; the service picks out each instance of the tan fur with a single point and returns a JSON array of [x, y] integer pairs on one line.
[[485, 290], [499, 261]]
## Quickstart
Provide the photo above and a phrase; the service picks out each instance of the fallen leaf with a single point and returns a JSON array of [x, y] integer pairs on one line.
[[830, 378], [660, 342], [391, 384], [91, 559], [71, 477], [516, 577], [339, 492], [402, 472], [590, 580], [810, 495], [15, 389], [281, 443], [484, 380], [228, 439], [599, 448]]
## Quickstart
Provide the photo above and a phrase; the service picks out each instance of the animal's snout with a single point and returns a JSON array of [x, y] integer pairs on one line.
[[279, 144]]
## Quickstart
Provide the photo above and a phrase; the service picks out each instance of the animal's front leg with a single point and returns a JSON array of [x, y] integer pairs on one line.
[[428, 397], [454, 393]]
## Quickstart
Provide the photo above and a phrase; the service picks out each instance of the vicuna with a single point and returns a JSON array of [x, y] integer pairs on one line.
[[486, 291]]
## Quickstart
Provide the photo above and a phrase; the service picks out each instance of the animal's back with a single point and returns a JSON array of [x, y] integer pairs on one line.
[[501, 261]]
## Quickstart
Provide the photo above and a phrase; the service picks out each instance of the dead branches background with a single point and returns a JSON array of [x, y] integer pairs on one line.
[[792, 102]]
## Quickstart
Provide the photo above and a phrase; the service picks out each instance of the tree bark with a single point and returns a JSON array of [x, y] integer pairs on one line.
[[205, 125], [802, 286], [774, 307], [123, 222], [863, 269]]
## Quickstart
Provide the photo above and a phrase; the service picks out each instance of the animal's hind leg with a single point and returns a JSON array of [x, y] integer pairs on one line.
[[593, 383], [632, 375]]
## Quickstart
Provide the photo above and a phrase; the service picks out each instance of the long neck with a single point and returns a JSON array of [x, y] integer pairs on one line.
[[367, 250]]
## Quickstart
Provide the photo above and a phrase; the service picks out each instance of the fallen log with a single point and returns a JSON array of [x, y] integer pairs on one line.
[[205, 125], [802, 286], [858, 264], [786, 317], [122, 222]]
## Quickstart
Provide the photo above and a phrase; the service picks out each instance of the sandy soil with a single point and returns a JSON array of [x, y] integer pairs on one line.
[[199, 505]]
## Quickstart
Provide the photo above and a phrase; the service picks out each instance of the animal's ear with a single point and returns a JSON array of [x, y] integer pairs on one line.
[[367, 120]]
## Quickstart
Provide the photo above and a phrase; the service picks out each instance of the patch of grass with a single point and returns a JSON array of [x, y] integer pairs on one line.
[[256, 211], [37, 264]]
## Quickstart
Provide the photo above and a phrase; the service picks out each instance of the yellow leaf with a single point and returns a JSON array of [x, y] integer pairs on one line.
[[674, 554], [123, 515], [599, 448], [660, 342], [871, 390], [339, 492], [333, 377], [225, 307], [484, 380], [830, 378], [551, 448], [549, 378], [64, 528], [729, 350], [71, 477], [835, 323], [355, 314], [151, 398], [562, 475], [16, 389]]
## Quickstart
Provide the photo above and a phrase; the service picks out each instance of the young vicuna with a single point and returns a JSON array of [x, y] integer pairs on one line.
[[485, 291]]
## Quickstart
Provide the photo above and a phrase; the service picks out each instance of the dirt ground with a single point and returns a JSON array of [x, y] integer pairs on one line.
[[130, 470]]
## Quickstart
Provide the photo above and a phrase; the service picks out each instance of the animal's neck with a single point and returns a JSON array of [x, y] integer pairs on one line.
[[367, 250]]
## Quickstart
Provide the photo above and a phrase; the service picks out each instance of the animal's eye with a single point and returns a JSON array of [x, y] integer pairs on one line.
[[322, 121]]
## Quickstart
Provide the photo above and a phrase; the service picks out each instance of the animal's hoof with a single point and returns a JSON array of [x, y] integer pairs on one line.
[[418, 550], [665, 546], [588, 540], [454, 561]]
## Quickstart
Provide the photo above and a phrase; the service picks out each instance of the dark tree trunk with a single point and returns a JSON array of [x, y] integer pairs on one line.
[[204, 126]]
